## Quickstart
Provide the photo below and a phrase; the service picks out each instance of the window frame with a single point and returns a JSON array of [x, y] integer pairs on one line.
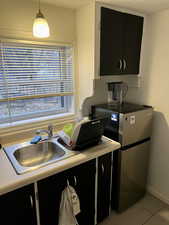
[[49, 116]]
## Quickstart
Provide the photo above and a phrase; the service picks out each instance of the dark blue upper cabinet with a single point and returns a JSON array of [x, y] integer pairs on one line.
[[120, 42]]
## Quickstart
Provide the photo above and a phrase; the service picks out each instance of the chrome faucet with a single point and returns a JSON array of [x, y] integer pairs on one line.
[[49, 131]]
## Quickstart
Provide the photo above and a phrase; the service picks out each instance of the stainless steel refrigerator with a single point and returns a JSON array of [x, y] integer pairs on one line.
[[129, 124]]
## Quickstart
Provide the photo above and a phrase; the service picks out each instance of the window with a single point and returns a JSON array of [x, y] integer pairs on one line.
[[35, 80]]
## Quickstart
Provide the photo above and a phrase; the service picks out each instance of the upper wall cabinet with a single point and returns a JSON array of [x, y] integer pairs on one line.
[[120, 42]]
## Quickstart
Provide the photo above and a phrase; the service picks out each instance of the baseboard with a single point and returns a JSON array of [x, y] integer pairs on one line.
[[158, 195]]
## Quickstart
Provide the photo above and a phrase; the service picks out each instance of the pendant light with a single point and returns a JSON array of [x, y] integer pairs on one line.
[[40, 25]]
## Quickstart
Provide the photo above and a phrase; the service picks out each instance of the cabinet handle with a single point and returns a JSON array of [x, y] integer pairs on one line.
[[31, 200], [125, 64], [75, 180], [121, 64], [102, 168]]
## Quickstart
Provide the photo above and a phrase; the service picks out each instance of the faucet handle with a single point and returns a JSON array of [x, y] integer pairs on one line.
[[38, 132]]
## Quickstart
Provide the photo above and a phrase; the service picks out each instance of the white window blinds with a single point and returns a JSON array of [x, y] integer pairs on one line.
[[34, 75]]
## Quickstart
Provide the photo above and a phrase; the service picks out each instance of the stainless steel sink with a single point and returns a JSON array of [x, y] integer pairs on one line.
[[27, 157]]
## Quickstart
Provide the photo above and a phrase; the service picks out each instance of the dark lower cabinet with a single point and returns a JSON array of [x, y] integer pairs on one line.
[[85, 187], [18, 207], [104, 186], [82, 178], [50, 190]]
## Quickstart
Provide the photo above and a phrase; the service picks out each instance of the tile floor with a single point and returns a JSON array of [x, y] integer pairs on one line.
[[148, 211]]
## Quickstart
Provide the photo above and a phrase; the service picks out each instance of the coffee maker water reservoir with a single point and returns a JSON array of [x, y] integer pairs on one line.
[[117, 92]]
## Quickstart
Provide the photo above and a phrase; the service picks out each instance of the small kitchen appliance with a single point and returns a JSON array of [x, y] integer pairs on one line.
[[129, 124], [116, 92]]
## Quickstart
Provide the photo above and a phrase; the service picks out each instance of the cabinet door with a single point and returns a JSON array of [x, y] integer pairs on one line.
[[82, 178], [133, 28], [18, 207], [111, 42], [49, 191], [85, 188], [120, 42], [104, 185]]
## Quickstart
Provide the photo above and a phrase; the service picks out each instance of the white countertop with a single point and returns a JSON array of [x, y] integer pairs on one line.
[[10, 180]]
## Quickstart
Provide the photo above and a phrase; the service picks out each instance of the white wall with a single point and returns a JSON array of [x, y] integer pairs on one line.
[[85, 51], [17, 16], [155, 92]]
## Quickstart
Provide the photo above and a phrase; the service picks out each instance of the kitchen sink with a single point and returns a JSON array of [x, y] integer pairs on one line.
[[26, 157], [38, 153]]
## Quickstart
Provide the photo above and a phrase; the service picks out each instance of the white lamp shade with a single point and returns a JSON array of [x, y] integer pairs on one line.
[[40, 28]]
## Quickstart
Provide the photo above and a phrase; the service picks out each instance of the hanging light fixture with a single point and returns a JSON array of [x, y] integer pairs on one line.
[[40, 25]]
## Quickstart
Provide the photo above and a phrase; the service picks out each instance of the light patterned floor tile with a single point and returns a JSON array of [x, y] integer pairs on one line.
[[150, 203], [148, 211], [161, 218], [132, 216]]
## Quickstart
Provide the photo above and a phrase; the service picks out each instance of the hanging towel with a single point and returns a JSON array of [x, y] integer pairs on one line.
[[69, 207]]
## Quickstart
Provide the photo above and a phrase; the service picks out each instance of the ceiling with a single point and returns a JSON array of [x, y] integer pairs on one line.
[[146, 6], [67, 3]]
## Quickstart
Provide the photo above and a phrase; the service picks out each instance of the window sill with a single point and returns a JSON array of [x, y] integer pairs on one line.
[[29, 126]]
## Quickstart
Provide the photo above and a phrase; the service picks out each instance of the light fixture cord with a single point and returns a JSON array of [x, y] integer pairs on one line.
[[39, 5]]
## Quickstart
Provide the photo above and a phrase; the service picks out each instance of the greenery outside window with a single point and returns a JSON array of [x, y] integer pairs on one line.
[[35, 81]]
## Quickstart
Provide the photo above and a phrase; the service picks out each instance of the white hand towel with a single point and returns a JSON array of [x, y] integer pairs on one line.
[[69, 207]]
